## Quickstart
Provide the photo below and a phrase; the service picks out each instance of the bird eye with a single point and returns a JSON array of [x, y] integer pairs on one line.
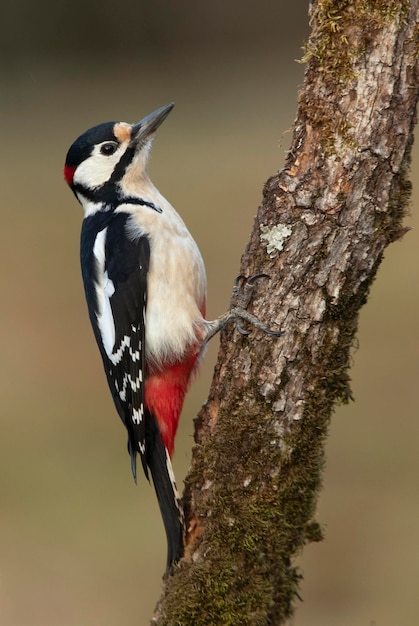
[[108, 148]]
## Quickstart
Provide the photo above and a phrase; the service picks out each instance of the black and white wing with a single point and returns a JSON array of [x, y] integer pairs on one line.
[[116, 293]]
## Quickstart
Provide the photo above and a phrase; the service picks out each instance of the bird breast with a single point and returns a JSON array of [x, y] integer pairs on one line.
[[176, 284]]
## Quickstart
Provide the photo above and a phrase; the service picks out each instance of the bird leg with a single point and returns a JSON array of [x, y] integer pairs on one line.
[[240, 299]]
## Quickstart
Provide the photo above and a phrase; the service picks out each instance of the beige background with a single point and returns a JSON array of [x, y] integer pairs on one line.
[[79, 543]]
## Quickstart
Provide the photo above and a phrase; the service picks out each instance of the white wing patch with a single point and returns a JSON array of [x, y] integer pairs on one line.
[[104, 291], [137, 415], [135, 385], [116, 357]]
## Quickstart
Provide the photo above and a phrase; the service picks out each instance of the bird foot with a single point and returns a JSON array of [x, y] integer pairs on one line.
[[240, 299]]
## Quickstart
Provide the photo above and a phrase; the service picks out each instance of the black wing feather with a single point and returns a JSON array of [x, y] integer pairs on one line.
[[127, 263]]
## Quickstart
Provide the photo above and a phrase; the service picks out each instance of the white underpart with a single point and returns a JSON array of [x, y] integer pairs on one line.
[[176, 284], [104, 291]]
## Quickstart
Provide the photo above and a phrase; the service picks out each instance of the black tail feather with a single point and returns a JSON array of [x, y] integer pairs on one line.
[[158, 461]]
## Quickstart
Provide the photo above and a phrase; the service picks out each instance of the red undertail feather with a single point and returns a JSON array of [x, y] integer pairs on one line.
[[164, 394]]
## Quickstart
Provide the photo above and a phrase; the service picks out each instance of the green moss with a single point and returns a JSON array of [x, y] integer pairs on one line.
[[389, 224], [328, 44], [333, 20], [342, 31], [262, 528], [257, 532], [414, 39]]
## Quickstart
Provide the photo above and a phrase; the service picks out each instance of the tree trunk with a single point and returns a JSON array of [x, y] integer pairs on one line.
[[320, 233]]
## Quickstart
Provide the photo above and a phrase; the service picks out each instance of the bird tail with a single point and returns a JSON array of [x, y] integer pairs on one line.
[[158, 461]]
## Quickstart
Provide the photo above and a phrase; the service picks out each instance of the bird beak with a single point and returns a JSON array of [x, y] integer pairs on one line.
[[142, 130]]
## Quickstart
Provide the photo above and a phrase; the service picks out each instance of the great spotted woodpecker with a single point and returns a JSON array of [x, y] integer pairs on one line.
[[145, 286]]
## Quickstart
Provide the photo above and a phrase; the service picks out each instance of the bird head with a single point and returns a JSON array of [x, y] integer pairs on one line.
[[106, 158]]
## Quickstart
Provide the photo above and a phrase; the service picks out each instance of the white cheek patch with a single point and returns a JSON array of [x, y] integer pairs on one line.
[[104, 291], [97, 169]]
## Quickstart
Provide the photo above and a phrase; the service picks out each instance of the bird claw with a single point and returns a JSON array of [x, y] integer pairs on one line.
[[242, 294], [241, 330], [240, 298], [243, 289], [270, 331], [239, 279], [249, 281], [255, 277]]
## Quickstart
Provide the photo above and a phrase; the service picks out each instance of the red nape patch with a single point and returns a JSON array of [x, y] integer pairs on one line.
[[69, 173]]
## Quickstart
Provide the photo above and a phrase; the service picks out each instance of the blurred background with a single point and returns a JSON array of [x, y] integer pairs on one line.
[[80, 544]]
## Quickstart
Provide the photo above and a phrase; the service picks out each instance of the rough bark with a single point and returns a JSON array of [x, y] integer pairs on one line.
[[320, 233]]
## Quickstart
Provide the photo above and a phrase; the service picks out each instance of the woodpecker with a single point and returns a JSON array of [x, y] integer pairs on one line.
[[145, 287]]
